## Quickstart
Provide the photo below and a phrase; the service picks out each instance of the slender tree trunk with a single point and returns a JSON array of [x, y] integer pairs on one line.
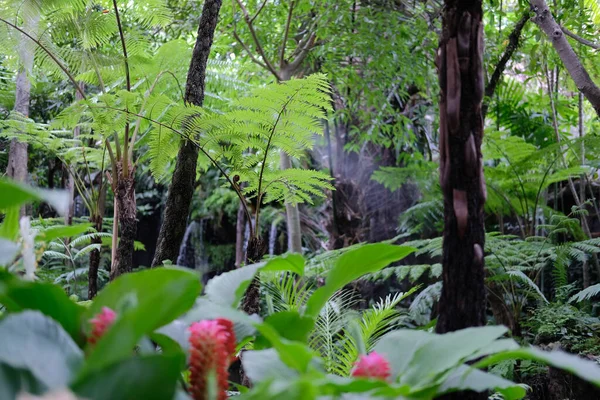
[[127, 210], [71, 180], [292, 213], [240, 227], [544, 19], [460, 66], [181, 190], [17, 155], [96, 219]]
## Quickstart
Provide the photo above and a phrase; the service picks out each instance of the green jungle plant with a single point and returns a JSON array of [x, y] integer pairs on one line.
[[120, 360]]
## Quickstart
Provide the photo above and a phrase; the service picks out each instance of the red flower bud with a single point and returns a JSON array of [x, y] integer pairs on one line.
[[373, 365], [100, 324], [212, 348]]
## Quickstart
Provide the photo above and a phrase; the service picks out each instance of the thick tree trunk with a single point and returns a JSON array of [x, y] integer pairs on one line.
[[544, 19], [127, 209], [460, 67], [181, 190]]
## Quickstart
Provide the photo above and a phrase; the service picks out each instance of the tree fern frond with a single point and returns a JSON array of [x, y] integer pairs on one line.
[[586, 294]]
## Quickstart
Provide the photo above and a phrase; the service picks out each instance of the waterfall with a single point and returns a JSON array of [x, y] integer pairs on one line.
[[272, 237], [187, 256], [192, 253]]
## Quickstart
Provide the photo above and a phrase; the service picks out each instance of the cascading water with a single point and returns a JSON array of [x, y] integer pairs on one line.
[[273, 237], [192, 253]]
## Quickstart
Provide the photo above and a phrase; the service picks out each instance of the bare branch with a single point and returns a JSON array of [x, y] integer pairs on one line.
[[580, 39], [544, 19], [286, 33], [257, 43]]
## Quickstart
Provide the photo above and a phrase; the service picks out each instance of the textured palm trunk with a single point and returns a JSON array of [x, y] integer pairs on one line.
[[127, 208], [459, 60], [460, 68], [181, 190]]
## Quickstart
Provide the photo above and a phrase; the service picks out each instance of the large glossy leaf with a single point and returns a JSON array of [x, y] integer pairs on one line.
[[229, 288], [32, 341], [585, 369], [15, 194], [399, 348], [144, 301], [151, 377], [352, 265], [466, 378], [17, 295], [15, 380], [447, 351], [296, 355], [291, 325], [261, 365]]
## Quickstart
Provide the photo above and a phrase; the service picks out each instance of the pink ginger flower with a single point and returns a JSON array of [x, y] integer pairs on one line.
[[100, 324], [212, 348], [373, 365]]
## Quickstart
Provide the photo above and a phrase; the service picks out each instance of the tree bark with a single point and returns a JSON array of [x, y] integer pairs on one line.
[[544, 19], [240, 228], [181, 190], [17, 154], [97, 219], [460, 66], [292, 213], [126, 204]]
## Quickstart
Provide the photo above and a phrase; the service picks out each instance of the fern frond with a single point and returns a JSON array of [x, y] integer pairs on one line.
[[586, 294]]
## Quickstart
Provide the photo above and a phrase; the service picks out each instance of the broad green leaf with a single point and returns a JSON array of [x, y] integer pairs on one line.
[[62, 231], [15, 380], [17, 295], [15, 194], [296, 355], [228, 288], [399, 348], [9, 229], [32, 341], [585, 369], [262, 365], [144, 301], [8, 251], [150, 377], [291, 325], [352, 265], [446, 351], [466, 378]]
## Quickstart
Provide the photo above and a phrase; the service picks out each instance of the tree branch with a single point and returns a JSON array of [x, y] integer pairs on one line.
[[544, 19], [513, 45], [580, 39], [259, 47], [286, 33]]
